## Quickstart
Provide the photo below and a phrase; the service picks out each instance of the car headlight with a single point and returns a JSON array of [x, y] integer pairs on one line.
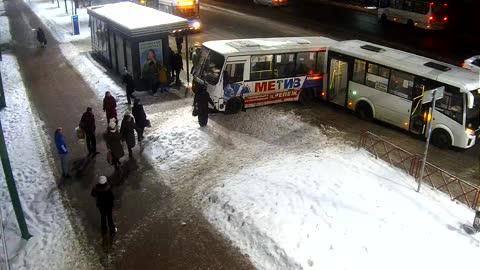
[[196, 25], [470, 131]]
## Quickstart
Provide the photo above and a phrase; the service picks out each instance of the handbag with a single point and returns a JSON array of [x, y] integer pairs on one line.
[[109, 157], [80, 133], [195, 111]]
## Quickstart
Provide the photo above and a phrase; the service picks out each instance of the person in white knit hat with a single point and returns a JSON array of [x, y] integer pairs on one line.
[[104, 201], [113, 139]]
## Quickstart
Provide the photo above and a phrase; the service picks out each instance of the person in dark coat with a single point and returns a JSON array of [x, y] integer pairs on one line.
[[87, 123], [140, 118], [201, 101], [113, 139], [110, 107], [41, 37], [178, 66], [129, 84], [127, 130], [62, 151], [179, 41], [104, 197]]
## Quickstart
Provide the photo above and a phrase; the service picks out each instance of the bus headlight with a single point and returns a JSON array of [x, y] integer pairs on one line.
[[470, 132], [196, 25]]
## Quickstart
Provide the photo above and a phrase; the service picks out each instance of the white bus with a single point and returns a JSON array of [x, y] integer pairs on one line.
[[422, 14], [387, 84], [187, 9], [245, 73]]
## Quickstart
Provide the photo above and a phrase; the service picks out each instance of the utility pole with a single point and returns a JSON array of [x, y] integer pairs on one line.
[[12, 188], [429, 96]]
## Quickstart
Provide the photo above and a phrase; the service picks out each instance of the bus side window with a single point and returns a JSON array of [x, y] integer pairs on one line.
[[359, 71], [284, 65], [233, 73], [305, 63], [321, 62], [451, 104], [401, 84], [261, 67]]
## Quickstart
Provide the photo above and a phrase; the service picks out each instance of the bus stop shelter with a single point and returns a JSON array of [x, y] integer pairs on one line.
[[122, 34]]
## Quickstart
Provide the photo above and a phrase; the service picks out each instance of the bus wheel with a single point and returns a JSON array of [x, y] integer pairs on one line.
[[305, 96], [364, 111], [234, 105], [441, 138], [383, 18], [410, 23]]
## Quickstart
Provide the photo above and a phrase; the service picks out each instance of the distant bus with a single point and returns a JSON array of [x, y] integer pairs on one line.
[[187, 9], [422, 14], [245, 73], [388, 85]]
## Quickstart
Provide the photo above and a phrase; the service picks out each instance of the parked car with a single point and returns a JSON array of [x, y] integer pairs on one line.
[[271, 3], [472, 63]]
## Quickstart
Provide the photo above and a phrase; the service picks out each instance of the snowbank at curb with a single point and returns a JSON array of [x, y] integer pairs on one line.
[[54, 244], [338, 209]]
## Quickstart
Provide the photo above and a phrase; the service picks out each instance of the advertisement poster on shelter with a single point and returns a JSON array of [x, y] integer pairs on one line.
[[150, 51]]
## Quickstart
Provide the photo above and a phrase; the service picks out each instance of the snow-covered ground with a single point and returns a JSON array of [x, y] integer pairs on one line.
[[54, 244], [292, 195]]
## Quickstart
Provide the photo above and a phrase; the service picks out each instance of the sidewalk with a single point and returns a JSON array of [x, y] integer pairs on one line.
[[147, 214]]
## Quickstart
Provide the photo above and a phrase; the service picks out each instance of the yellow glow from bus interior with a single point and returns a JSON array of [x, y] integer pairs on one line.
[[184, 3], [350, 104], [425, 116]]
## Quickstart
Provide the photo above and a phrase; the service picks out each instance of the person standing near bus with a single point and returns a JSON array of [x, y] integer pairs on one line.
[[178, 66], [195, 59], [179, 41], [200, 102]]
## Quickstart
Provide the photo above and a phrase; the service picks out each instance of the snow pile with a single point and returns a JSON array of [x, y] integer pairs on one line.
[[54, 244], [177, 143], [338, 209]]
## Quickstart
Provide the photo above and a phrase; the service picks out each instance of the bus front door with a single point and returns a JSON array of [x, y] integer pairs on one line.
[[338, 82], [419, 111]]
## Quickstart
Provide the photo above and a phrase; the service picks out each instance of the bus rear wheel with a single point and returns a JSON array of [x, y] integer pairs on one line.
[[364, 111], [234, 105], [441, 138]]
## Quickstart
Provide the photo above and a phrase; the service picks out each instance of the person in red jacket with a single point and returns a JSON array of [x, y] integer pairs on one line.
[[110, 107]]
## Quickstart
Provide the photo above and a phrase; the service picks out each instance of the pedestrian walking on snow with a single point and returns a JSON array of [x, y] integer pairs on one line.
[[87, 123], [200, 102], [62, 151], [129, 85], [140, 118], [41, 37], [113, 139], [127, 130], [110, 106], [103, 194]]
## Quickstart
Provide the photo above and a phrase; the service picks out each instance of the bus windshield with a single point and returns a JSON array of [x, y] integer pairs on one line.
[[473, 114], [210, 66]]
